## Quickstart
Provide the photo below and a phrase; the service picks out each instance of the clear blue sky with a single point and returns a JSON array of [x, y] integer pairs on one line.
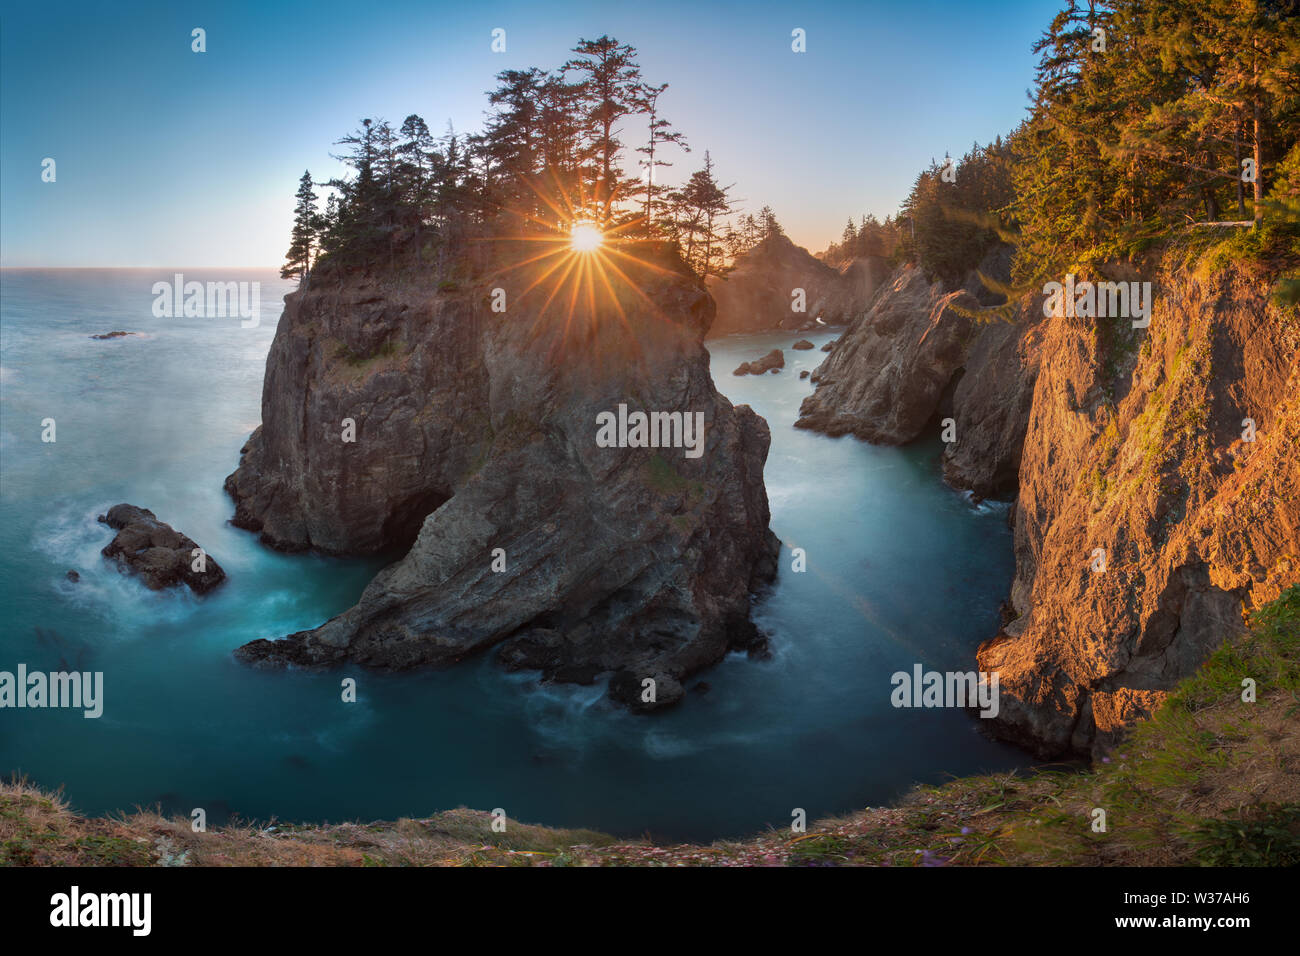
[[167, 157]]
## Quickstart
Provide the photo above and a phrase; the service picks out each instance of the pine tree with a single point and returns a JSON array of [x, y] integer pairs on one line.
[[699, 206], [659, 131], [608, 90], [302, 241]]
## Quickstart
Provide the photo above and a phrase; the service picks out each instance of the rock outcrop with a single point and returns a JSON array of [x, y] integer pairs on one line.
[[885, 378], [476, 439], [771, 362], [757, 294], [1135, 462], [1123, 449], [153, 549], [803, 345], [918, 358]]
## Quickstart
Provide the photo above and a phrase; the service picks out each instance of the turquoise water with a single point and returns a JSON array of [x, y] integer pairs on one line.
[[901, 570]]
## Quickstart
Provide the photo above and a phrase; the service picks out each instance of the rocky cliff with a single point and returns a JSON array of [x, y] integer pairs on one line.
[[1123, 449], [921, 354], [399, 413], [758, 293], [1145, 525]]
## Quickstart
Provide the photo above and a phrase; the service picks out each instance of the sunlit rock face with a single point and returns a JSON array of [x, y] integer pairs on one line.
[[1123, 449], [474, 409], [1135, 461]]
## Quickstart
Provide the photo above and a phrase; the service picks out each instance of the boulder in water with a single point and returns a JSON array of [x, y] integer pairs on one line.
[[771, 362], [160, 554]]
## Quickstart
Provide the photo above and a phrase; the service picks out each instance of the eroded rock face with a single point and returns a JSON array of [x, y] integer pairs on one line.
[[886, 376], [1135, 458], [476, 431], [1114, 441], [153, 549], [758, 293], [990, 405], [917, 359]]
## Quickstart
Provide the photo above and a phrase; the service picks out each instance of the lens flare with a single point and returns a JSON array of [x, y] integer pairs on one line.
[[585, 237]]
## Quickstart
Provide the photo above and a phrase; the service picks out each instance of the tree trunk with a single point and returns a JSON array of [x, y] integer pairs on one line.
[[1259, 159], [1259, 169]]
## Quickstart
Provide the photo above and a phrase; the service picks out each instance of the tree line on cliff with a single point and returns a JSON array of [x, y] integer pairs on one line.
[[1146, 116], [555, 149]]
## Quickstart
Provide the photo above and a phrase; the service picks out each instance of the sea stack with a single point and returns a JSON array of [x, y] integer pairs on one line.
[[398, 414]]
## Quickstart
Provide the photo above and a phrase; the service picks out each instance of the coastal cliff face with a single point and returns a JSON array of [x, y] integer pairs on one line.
[[1135, 447], [476, 431], [1125, 440], [885, 377], [757, 294], [918, 357]]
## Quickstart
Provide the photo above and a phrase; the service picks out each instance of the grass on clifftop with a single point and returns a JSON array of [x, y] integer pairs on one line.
[[1209, 780]]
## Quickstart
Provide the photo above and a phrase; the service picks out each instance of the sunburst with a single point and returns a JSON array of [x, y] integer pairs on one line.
[[585, 237], [579, 259]]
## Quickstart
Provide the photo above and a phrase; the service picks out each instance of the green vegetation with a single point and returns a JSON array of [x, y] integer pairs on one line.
[[1150, 120]]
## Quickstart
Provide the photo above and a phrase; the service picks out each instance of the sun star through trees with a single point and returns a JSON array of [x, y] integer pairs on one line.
[[585, 237]]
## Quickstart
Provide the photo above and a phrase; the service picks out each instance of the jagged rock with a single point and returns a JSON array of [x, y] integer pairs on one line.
[[829, 345], [160, 554], [887, 376], [802, 345], [1109, 438], [757, 294], [1127, 452], [991, 403], [771, 362], [476, 431], [804, 374], [917, 358]]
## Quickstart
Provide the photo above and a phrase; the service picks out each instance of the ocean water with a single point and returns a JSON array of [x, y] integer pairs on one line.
[[900, 570]]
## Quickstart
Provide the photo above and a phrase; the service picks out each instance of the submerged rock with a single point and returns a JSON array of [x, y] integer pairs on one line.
[[112, 335], [160, 554], [802, 345], [476, 447]]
